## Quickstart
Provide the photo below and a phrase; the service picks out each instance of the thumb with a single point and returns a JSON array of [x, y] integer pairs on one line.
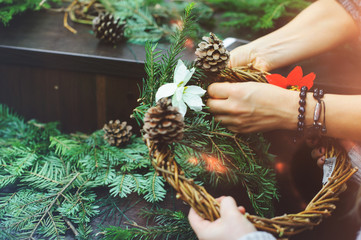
[[228, 207]]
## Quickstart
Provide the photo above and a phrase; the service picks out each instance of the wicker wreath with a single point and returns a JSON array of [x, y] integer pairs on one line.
[[321, 206]]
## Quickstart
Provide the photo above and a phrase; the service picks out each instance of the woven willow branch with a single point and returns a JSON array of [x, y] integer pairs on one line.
[[321, 206], [196, 196], [240, 74]]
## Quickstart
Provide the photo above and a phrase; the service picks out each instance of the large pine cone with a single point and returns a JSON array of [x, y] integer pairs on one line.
[[211, 54], [163, 123], [108, 29], [116, 133]]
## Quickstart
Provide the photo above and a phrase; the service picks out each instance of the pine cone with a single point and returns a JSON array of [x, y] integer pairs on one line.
[[108, 29], [163, 123], [211, 54], [116, 133]]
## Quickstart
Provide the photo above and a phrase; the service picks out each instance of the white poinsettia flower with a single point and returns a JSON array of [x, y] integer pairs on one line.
[[182, 94]]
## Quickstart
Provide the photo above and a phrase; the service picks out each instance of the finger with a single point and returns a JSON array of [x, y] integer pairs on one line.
[[219, 199], [347, 144], [219, 90], [242, 210], [218, 106], [228, 207], [227, 120], [196, 221], [234, 129], [318, 152], [321, 161]]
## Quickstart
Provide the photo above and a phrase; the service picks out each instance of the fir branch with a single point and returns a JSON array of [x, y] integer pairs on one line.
[[256, 15], [154, 187], [160, 66], [47, 211], [170, 225], [46, 175], [123, 185], [44, 167], [10, 8], [64, 146]]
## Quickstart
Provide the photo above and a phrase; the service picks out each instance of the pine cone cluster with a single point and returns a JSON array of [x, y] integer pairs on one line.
[[108, 29], [211, 54], [116, 133], [163, 123]]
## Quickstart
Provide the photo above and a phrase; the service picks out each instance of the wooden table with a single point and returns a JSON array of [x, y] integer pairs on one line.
[[51, 74]]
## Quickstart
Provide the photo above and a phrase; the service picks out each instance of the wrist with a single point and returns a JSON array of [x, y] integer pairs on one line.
[[291, 119], [311, 103], [272, 51]]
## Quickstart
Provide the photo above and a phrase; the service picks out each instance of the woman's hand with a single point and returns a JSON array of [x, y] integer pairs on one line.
[[230, 226], [247, 54], [318, 153], [251, 107]]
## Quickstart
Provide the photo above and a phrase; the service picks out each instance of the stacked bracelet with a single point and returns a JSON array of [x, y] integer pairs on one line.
[[320, 105], [301, 111]]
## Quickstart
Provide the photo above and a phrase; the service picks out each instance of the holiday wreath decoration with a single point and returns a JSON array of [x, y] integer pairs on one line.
[[175, 139]]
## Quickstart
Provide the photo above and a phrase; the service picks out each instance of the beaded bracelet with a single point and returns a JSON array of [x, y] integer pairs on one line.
[[301, 111], [320, 105]]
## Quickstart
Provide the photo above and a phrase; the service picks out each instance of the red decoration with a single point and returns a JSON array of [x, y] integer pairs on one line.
[[295, 79]]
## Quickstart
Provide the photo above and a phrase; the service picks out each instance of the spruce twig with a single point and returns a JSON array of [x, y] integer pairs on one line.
[[47, 211]]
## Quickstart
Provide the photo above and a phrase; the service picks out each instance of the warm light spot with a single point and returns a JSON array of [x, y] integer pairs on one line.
[[177, 22], [280, 167], [303, 205], [193, 160], [213, 164], [189, 43]]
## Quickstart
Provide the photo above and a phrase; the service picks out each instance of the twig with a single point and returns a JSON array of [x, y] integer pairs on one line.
[[67, 10], [71, 226], [41, 3], [134, 224], [86, 8], [52, 204]]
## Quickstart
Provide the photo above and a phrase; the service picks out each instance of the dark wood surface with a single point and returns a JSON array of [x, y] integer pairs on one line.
[[41, 38], [51, 74]]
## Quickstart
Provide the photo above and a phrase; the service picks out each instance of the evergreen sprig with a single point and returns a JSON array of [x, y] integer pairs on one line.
[[169, 225], [10, 8], [256, 15], [153, 21], [159, 66], [50, 178]]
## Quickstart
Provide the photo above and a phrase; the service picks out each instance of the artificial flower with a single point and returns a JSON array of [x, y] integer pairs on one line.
[[295, 79], [182, 94]]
